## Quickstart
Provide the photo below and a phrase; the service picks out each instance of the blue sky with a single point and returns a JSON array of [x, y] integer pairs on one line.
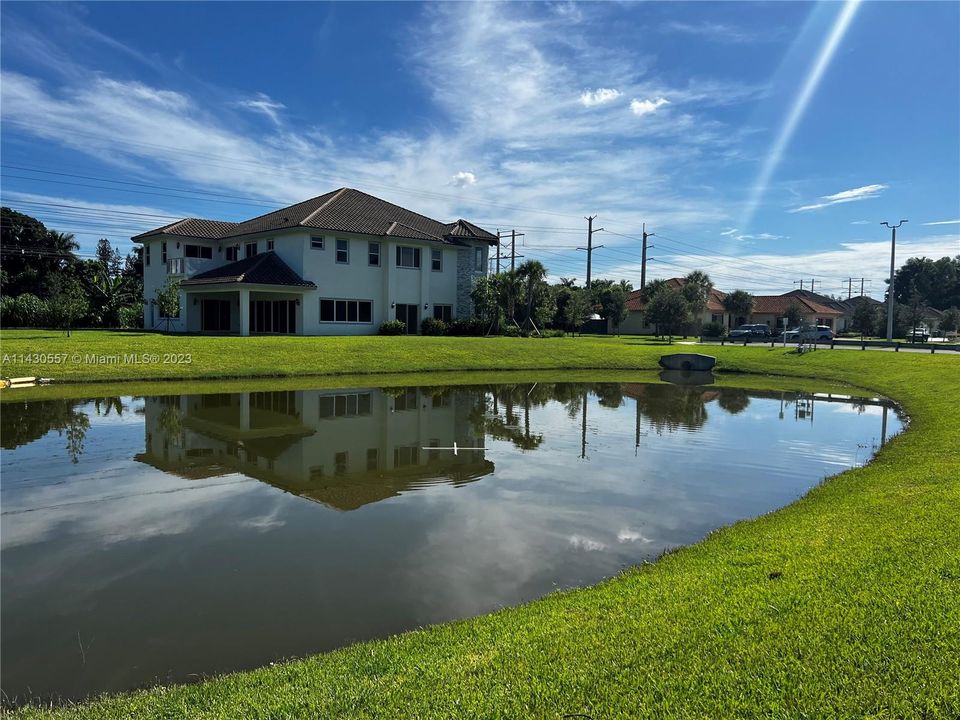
[[762, 142]]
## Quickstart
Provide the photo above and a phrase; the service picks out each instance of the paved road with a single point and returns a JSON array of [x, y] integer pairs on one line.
[[924, 349]]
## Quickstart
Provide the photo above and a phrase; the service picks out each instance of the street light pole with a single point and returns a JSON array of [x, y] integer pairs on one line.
[[893, 254]]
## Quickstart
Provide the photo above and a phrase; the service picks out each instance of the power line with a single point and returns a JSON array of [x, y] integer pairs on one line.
[[311, 175]]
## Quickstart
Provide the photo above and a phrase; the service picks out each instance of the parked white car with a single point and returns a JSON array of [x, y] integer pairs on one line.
[[919, 334], [809, 333]]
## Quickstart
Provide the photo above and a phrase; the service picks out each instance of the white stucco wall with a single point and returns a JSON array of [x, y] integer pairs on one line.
[[385, 285]]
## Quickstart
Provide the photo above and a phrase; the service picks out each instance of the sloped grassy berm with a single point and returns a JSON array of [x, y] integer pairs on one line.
[[844, 604]]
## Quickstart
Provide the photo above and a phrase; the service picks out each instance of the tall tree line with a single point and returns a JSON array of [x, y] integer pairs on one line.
[[44, 283]]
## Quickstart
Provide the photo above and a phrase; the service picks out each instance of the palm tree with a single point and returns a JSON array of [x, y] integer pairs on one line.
[[697, 286], [508, 288], [739, 304], [112, 293], [64, 245], [652, 288], [535, 274]]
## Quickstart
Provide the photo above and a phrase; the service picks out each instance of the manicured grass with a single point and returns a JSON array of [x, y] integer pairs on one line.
[[844, 604], [206, 356]]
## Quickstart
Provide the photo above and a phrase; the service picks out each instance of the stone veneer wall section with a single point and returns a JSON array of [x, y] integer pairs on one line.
[[466, 277]]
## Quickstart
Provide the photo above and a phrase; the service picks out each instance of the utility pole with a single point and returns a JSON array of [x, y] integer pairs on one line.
[[893, 254], [589, 248], [512, 257], [850, 287], [643, 261]]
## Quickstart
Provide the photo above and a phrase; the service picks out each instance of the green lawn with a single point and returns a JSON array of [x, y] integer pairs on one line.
[[843, 604]]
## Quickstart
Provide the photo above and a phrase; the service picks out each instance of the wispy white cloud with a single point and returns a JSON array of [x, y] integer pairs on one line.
[[761, 236], [600, 96], [943, 222], [772, 272], [860, 222], [517, 134], [463, 179], [865, 192], [747, 237], [722, 32], [262, 104], [645, 107], [798, 107]]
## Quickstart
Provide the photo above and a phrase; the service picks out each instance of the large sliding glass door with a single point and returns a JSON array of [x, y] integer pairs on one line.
[[273, 316], [215, 315], [410, 314]]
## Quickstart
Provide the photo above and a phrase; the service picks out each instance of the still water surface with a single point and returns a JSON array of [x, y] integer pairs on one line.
[[158, 539]]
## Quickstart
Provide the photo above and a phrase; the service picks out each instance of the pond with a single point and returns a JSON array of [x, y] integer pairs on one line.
[[161, 539]]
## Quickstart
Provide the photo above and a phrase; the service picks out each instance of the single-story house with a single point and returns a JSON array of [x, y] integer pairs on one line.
[[846, 307], [770, 310], [337, 264], [767, 309], [636, 324]]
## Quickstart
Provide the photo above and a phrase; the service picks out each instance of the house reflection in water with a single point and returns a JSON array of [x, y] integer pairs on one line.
[[343, 448]]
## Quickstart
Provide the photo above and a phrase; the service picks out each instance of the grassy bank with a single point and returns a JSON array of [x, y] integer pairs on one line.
[[89, 355], [844, 604]]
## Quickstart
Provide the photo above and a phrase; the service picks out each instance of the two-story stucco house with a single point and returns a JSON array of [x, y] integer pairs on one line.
[[337, 264]]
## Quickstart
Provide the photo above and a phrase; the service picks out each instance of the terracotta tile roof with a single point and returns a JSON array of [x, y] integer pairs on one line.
[[714, 303], [778, 305], [849, 306], [194, 227], [343, 210], [762, 304], [263, 269]]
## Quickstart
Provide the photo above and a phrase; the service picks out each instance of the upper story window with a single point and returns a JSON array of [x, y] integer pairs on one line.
[[343, 251], [163, 252], [478, 258], [198, 251], [316, 242], [408, 257], [250, 249], [436, 260], [270, 245], [146, 253], [233, 253], [373, 254]]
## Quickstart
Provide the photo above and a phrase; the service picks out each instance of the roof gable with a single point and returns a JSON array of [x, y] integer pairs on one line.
[[263, 269], [342, 210]]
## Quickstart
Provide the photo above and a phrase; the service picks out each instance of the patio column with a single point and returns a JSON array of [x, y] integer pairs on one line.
[[244, 311]]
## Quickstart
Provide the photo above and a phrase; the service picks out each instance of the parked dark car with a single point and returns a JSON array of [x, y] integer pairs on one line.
[[750, 331]]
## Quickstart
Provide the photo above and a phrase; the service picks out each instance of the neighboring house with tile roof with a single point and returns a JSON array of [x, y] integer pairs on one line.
[[337, 264], [636, 323], [770, 310], [767, 309]]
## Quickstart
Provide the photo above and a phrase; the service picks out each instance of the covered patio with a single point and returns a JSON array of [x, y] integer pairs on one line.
[[254, 296]]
